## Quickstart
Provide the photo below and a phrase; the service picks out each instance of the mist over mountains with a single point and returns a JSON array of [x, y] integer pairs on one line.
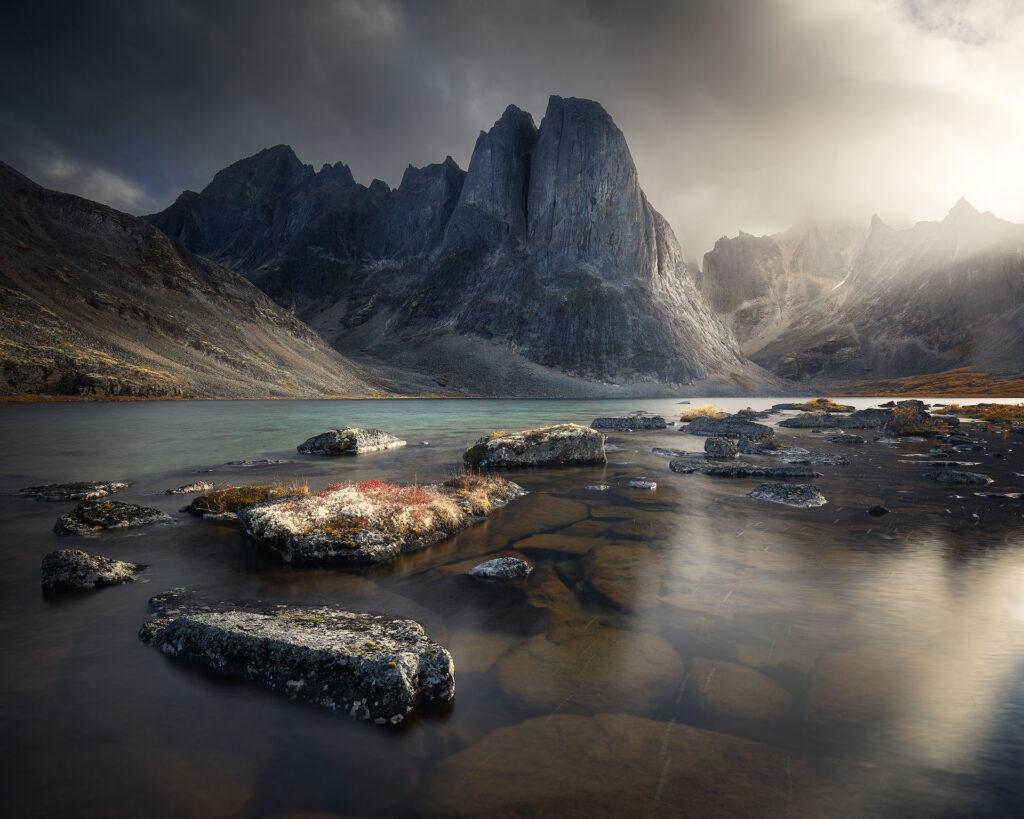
[[839, 302]]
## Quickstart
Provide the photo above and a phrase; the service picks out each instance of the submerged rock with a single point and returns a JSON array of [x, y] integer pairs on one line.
[[642, 483], [587, 669], [735, 693], [726, 426], [373, 521], [189, 488], [845, 439], [668, 453], [501, 568], [615, 765], [804, 495], [91, 516], [723, 448], [367, 666], [562, 445], [877, 511], [79, 491], [952, 476], [75, 569], [349, 441], [630, 422]]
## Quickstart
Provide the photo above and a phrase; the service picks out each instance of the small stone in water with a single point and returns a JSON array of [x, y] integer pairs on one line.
[[501, 568], [642, 483], [877, 511], [598, 487]]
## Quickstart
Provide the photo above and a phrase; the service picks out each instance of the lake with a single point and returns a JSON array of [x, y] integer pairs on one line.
[[686, 651]]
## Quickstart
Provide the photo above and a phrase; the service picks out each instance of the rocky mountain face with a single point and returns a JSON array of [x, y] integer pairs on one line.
[[97, 302], [758, 284], [541, 265], [934, 297]]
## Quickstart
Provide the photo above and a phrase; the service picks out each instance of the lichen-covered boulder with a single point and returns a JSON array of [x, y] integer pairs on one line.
[[626, 423], [501, 568], [722, 448], [952, 476], [75, 569], [364, 665], [90, 517], [373, 521], [732, 425], [800, 494], [79, 491], [349, 441], [562, 445]]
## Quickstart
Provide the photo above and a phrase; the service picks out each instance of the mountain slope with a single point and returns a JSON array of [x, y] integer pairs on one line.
[[935, 297], [543, 263], [98, 302]]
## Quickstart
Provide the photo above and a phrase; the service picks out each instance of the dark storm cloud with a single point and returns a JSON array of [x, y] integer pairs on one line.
[[739, 114]]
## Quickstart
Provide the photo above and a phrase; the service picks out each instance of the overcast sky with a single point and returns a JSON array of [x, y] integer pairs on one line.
[[740, 115]]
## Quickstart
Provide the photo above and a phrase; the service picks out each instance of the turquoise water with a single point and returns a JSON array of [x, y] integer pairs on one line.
[[687, 651]]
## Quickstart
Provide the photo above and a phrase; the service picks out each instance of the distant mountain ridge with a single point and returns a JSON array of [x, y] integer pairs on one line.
[[542, 262], [882, 304], [98, 302]]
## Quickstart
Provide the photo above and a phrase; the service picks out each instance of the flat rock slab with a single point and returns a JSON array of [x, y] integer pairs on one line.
[[364, 665], [90, 517], [350, 441], [372, 521], [813, 459], [951, 476], [189, 488], [630, 422], [501, 568], [75, 569], [562, 445], [726, 426], [80, 491], [740, 469], [803, 495]]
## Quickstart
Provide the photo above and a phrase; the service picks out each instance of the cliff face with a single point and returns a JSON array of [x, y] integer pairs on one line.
[[98, 302], [546, 250], [937, 296]]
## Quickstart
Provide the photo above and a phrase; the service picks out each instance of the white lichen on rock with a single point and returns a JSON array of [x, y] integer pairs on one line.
[[561, 445], [364, 665]]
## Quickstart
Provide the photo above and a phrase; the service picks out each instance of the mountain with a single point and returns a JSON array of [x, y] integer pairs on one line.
[[98, 302], [542, 269], [758, 284], [935, 297]]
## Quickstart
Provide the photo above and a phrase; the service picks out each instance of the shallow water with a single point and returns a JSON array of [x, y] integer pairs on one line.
[[683, 651]]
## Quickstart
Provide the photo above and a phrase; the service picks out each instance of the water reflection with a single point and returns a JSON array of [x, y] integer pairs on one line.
[[687, 650]]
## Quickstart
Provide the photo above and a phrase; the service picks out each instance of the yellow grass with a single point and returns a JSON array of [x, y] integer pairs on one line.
[[705, 411], [230, 498]]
